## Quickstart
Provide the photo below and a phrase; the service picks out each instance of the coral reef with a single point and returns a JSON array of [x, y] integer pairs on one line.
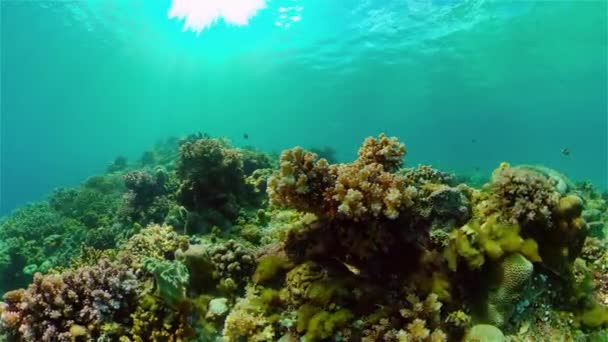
[[185, 246]]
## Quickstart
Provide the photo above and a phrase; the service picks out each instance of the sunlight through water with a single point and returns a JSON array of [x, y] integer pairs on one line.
[[199, 15]]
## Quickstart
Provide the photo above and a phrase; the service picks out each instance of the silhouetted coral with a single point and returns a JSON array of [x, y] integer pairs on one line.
[[213, 182]]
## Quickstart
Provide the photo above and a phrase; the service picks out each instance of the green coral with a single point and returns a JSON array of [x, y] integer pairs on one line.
[[484, 333], [325, 324], [269, 266], [171, 279]]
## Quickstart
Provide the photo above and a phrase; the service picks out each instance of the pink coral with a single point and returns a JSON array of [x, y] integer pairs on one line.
[[54, 303]]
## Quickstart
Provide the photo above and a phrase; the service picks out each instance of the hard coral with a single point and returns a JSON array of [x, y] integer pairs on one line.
[[301, 181], [425, 174], [384, 151], [523, 195], [514, 272], [234, 263], [364, 189], [146, 197], [247, 320], [53, 304], [300, 279], [154, 241], [210, 170]]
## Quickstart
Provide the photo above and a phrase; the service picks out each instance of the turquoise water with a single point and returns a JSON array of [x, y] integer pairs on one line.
[[465, 84]]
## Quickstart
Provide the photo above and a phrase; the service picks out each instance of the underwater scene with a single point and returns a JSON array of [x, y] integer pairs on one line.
[[303, 170]]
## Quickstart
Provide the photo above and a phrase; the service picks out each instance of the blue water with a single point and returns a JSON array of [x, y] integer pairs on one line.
[[465, 84]]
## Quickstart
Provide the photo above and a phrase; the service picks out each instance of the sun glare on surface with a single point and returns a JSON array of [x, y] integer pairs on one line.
[[201, 14]]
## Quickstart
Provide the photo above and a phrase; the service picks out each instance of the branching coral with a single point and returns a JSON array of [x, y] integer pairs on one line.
[[384, 151], [357, 251], [301, 181], [247, 319], [154, 241], [154, 320], [50, 308], [523, 196], [361, 190], [36, 237], [418, 320]]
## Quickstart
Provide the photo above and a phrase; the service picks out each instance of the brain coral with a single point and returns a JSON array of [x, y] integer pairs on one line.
[[514, 272]]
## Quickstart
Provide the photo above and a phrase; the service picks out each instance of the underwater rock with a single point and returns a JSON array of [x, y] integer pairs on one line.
[[450, 203]]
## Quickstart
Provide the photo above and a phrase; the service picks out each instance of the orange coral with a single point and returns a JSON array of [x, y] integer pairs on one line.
[[366, 190], [301, 181], [361, 190], [385, 151]]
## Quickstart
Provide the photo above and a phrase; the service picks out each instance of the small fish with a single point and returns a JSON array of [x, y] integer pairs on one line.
[[245, 136], [565, 151], [353, 269], [473, 141]]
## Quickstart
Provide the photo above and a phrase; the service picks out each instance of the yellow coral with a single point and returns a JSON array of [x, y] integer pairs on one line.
[[417, 330], [474, 242], [247, 320]]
